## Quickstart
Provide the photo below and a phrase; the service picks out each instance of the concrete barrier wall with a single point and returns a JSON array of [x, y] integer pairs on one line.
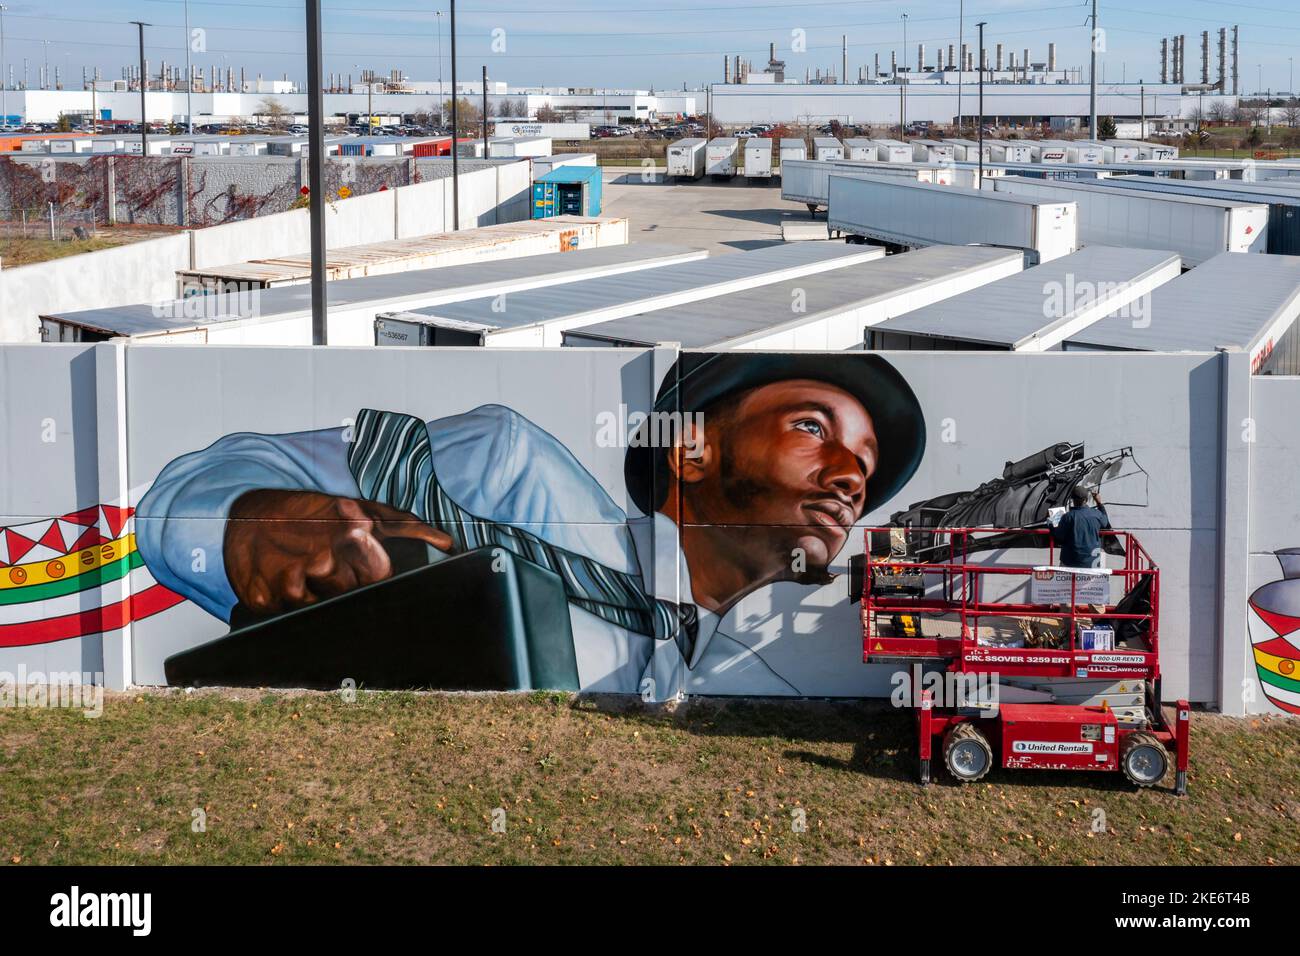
[[145, 271], [1201, 488], [142, 271], [1269, 670]]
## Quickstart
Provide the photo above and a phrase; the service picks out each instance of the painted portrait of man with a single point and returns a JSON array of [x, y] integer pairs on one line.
[[780, 456]]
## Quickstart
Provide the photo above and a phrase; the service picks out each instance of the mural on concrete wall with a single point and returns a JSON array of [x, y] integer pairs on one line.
[[1274, 631], [322, 549], [475, 549], [53, 575]]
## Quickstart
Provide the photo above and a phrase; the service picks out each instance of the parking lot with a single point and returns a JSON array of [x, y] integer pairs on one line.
[[718, 216]]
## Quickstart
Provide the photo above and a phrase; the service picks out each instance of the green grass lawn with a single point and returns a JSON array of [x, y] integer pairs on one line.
[[309, 778]]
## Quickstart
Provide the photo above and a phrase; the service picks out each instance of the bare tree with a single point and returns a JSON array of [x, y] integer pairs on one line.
[[273, 112], [1220, 112], [1291, 113]]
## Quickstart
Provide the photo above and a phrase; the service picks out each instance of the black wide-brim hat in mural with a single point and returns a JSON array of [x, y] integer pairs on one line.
[[699, 379]]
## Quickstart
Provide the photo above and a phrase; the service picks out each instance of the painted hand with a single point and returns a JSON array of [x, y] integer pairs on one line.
[[288, 549]]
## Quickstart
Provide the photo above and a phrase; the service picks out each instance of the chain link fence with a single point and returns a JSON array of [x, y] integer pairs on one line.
[[52, 222]]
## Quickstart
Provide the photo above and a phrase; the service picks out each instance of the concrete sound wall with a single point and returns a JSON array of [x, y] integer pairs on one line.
[[541, 443]]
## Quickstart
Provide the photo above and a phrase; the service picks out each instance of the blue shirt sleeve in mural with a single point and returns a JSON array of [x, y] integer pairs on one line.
[[492, 461]]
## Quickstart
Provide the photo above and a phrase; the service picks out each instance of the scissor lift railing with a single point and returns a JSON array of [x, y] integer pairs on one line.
[[955, 587]]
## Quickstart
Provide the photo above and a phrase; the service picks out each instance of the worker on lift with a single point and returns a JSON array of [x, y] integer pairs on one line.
[[1078, 532]]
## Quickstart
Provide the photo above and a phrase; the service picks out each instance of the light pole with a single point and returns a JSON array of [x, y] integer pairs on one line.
[[189, 74], [316, 175], [45, 76], [4, 100], [902, 103], [441, 118], [144, 85], [961, 38], [455, 128], [1092, 76], [981, 128]]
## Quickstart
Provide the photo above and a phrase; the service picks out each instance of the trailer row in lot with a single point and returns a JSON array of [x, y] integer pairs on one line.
[[541, 316], [825, 311], [1197, 228], [282, 315], [1036, 310], [908, 214]]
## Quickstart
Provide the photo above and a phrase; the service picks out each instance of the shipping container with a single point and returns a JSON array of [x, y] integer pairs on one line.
[[1148, 150], [1076, 151], [485, 243], [758, 158], [1197, 229], [838, 304], [827, 147], [932, 151], [282, 315], [544, 164], [911, 215], [540, 317], [1008, 151], [686, 158], [1231, 301], [860, 148], [1036, 310], [793, 149], [567, 191], [968, 150], [807, 181], [893, 151], [1283, 204], [721, 157], [1116, 151]]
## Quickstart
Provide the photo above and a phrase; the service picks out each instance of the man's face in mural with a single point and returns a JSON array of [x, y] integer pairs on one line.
[[782, 467]]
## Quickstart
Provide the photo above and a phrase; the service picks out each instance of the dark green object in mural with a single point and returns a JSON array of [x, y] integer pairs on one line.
[[485, 620]]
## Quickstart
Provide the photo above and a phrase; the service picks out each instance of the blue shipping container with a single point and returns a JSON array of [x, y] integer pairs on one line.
[[567, 191]]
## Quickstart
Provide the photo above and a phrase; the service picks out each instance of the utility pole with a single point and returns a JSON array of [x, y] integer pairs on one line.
[[144, 84], [486, 151], [961, 24], [902, 103], [4, 99], [1142, 101], [189, 74], [316, 173], [455, 129], [1092, 77], [981, 129], [441, 119]]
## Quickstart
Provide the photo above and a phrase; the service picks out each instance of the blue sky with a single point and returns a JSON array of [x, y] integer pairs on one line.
[[630, 43]]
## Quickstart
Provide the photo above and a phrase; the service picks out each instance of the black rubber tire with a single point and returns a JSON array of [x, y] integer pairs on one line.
[[959, 744], [1141, 754]]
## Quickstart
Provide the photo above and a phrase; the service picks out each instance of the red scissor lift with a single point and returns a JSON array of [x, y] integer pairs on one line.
[[948, 588]]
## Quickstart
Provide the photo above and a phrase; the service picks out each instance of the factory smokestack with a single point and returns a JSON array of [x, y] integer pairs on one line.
[[1164, 61], [1051, 58], [952, 59], [920, 58], [1223, 59], [1205, 57], [726, 69], [1000, 61], [1236, 76]]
